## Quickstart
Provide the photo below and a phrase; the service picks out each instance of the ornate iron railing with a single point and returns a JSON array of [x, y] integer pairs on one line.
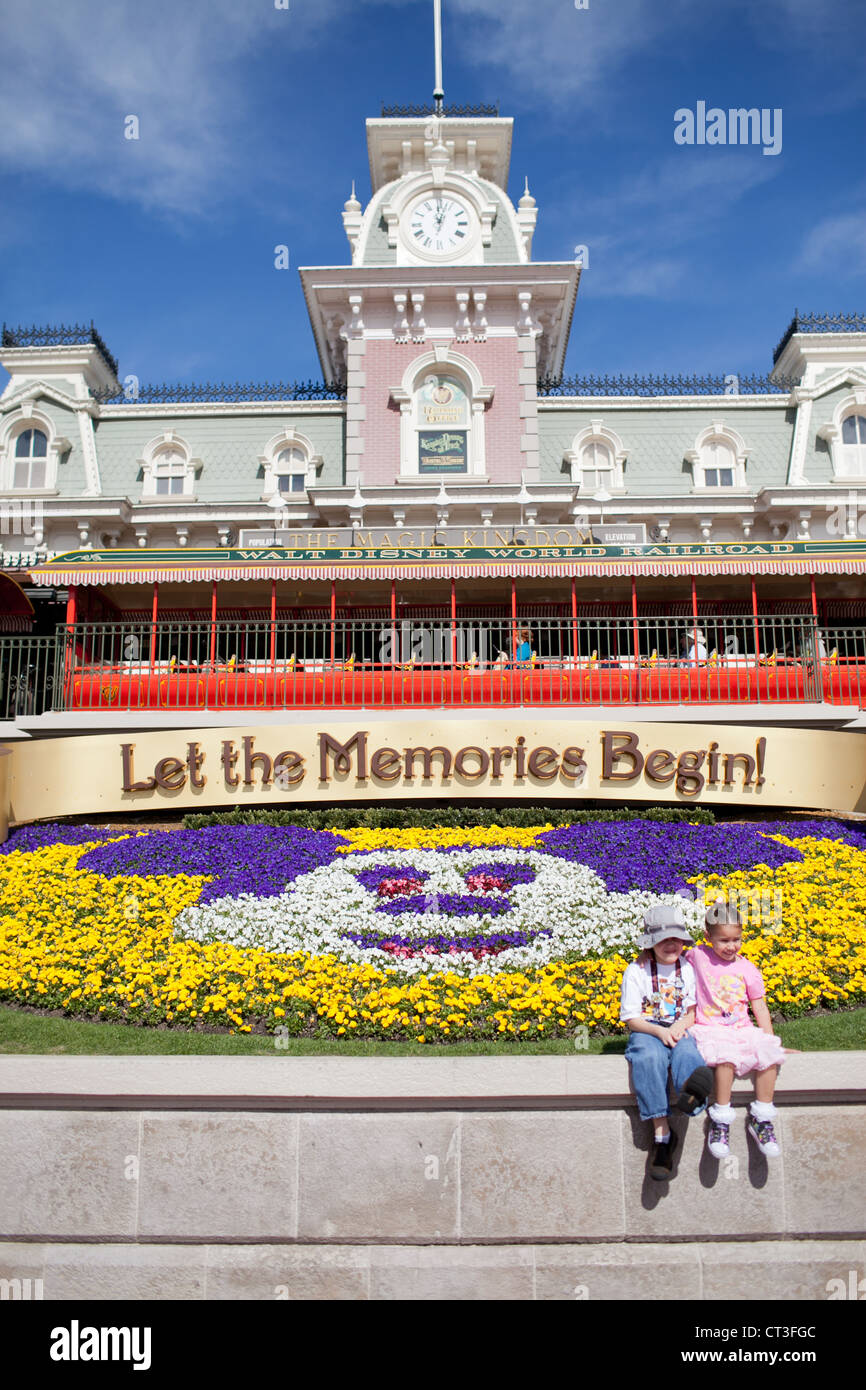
[[408, 112], [718, 659], [60, 335], [820, 323], [180, 393], [733, 384]]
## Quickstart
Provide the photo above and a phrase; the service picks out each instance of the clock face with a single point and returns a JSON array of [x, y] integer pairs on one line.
[[439, 224]]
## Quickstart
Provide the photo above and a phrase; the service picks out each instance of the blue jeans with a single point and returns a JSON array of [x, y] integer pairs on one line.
[[654, 1065]]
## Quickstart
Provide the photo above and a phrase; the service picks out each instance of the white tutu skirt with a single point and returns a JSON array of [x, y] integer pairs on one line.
[[746, 1049]]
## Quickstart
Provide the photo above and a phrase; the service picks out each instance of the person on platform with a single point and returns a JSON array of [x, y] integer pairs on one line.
[[523, 647], [727, 985], [697, 652], [658, 1008]]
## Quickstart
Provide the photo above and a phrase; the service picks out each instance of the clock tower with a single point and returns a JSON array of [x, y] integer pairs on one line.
[[442, 324]]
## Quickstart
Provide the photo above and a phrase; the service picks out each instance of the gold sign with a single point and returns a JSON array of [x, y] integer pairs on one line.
[[384, 757]]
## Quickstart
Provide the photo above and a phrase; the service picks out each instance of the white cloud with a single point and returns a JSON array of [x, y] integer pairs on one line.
[[73, 71], [836, 246]]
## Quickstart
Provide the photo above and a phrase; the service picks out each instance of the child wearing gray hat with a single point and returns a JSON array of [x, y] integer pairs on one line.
[[658, 1008]]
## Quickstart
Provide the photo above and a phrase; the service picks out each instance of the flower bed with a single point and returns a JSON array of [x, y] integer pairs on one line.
[[416, 934]]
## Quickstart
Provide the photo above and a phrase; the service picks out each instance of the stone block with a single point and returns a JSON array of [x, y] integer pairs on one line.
[[378, 1175], [586, 1273], [825, 1175], [738, 1195], [781, 1270], [218, 1174], [288, 1272], [137, 1272], [527, 1176], [64, 1173], [451, 1274]]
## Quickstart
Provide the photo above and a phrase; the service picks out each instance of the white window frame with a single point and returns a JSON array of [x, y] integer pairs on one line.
[[289, 439], [30, 418], [596, 433], [442, 361], [149, 463], [854, 404], [719, 432]]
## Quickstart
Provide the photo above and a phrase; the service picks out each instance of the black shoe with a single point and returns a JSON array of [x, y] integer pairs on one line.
[[695, 1090], [663, 1159]]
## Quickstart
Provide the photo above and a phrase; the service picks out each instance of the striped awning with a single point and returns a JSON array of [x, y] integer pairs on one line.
[[596, 562], [16, 610]]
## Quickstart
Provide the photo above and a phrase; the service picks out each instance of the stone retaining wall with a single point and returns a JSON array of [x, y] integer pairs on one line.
[[404, 1178]]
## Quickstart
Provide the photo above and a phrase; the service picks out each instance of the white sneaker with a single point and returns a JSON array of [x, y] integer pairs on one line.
[[764, 1136]]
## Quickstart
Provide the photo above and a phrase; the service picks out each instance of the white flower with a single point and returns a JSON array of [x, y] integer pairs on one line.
[[567, 902]]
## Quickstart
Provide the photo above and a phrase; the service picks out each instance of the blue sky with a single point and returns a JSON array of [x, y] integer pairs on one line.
[[252, 129]]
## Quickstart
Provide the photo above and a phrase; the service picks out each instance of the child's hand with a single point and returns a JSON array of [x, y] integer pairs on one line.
[[677, 1030], [667, 1037]]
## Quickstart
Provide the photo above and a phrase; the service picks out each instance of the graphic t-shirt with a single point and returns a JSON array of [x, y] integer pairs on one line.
[[724, 988], [637, 990]]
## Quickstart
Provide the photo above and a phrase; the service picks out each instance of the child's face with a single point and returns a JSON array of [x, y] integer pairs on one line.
[[668, 951], [726, 941]]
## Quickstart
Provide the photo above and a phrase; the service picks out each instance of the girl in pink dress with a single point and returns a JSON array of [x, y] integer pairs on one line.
[[728, 1040]]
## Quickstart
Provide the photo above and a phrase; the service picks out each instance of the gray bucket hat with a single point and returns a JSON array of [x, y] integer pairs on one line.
[[662, 922]]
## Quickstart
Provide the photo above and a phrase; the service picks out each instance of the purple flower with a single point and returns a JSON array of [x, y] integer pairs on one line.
[[256, 859], [659, 857], [32, 837]]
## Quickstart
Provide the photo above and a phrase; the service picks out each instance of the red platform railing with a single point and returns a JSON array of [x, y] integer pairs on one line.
[[586, 662]]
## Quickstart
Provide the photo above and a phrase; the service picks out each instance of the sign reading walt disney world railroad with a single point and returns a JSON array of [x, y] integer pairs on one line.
[[478, 544], [241, 764]]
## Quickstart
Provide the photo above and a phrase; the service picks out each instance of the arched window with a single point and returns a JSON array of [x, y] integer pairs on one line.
[[719, 463], [31, 460], [853, 458], [719, 457], [289, 466], [442, 421], [442, 400], [290, 470], [596, 459], [169, 472], [596, 466]]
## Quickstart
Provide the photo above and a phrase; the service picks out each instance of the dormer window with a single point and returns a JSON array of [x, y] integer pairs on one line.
[[596, 459], [596, 466], [853, 457], [169, 472], [719, 458], [31, 460], [719, 463], [290, 470], [290, 466]]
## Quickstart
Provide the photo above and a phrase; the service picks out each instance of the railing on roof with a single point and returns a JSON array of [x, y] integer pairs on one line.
[[408, 112], [57, 335], [180, 393], [733, 384], [820, 323], [778, 659]]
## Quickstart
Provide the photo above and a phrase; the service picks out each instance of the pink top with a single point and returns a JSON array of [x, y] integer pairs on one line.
[[724, 988]]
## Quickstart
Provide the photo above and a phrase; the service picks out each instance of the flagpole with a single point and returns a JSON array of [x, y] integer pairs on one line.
[[438, 94]]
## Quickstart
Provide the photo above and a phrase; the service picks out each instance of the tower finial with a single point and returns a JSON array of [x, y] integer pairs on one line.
[[438, 91]]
